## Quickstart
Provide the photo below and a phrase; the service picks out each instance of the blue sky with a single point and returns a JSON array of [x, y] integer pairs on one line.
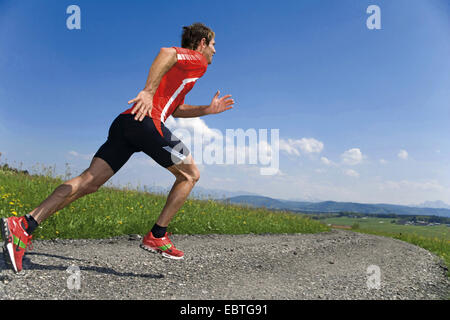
[[374, 103]]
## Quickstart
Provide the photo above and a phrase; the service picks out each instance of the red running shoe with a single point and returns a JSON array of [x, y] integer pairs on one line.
[[161, 245], [16, 241]]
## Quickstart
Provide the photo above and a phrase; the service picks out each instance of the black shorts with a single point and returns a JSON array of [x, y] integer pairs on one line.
[[127, 136]]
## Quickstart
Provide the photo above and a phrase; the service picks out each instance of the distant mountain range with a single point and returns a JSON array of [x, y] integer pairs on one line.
[[433, 204], [332, 206], [202, 193], [435, 208]]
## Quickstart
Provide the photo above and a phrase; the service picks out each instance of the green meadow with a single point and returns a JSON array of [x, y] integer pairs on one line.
[[117, 211], [386, 225]]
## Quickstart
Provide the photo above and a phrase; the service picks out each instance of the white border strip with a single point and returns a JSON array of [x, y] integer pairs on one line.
[[175, 153], [175, 95]]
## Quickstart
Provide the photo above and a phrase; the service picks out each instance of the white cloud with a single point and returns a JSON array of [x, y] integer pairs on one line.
[[352, 157], [234, 146], [303, 145], [192, 125], [198, 124], [80, 155], [212, 146], [288, 148], [403, 154], [309, 145], [351, 173], [327, 161], [382, 161]]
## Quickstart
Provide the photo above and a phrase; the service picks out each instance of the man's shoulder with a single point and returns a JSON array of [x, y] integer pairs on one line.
[[171, 50], [183, 50], [189, 56]]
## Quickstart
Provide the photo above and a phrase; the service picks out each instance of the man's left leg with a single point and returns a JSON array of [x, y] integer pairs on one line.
[[187, 175]]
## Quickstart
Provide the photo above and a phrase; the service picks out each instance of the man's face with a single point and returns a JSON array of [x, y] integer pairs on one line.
[[208, 50]]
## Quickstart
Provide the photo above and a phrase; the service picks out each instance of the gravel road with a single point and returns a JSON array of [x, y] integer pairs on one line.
[[330, 265]]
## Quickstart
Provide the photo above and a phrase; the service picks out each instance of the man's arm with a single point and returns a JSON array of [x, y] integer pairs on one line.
[[217, 105], [188, 111], [165, 60]]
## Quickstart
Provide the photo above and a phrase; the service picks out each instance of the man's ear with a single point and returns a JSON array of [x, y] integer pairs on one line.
[[203, 43]]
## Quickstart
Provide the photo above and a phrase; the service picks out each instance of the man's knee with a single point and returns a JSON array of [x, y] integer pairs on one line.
[[195, 175], [192, 174]]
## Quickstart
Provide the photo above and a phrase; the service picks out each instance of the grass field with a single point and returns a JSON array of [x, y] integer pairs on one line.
[[111, 212], [385, 225]]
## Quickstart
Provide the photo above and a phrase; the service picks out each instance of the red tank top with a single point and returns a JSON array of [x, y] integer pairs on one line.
[[175, 84]]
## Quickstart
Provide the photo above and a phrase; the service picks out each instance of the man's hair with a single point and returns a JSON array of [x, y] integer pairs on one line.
[[193, 34]]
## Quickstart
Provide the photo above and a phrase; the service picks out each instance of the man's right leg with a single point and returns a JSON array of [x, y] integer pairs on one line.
[[16, 231], [88, 182], [110, 157]]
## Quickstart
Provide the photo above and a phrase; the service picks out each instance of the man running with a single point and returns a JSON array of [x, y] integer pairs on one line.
[[172, 75]]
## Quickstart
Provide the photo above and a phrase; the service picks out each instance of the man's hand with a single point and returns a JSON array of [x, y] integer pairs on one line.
[[165, 60], [219, 105], [144, 105]]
